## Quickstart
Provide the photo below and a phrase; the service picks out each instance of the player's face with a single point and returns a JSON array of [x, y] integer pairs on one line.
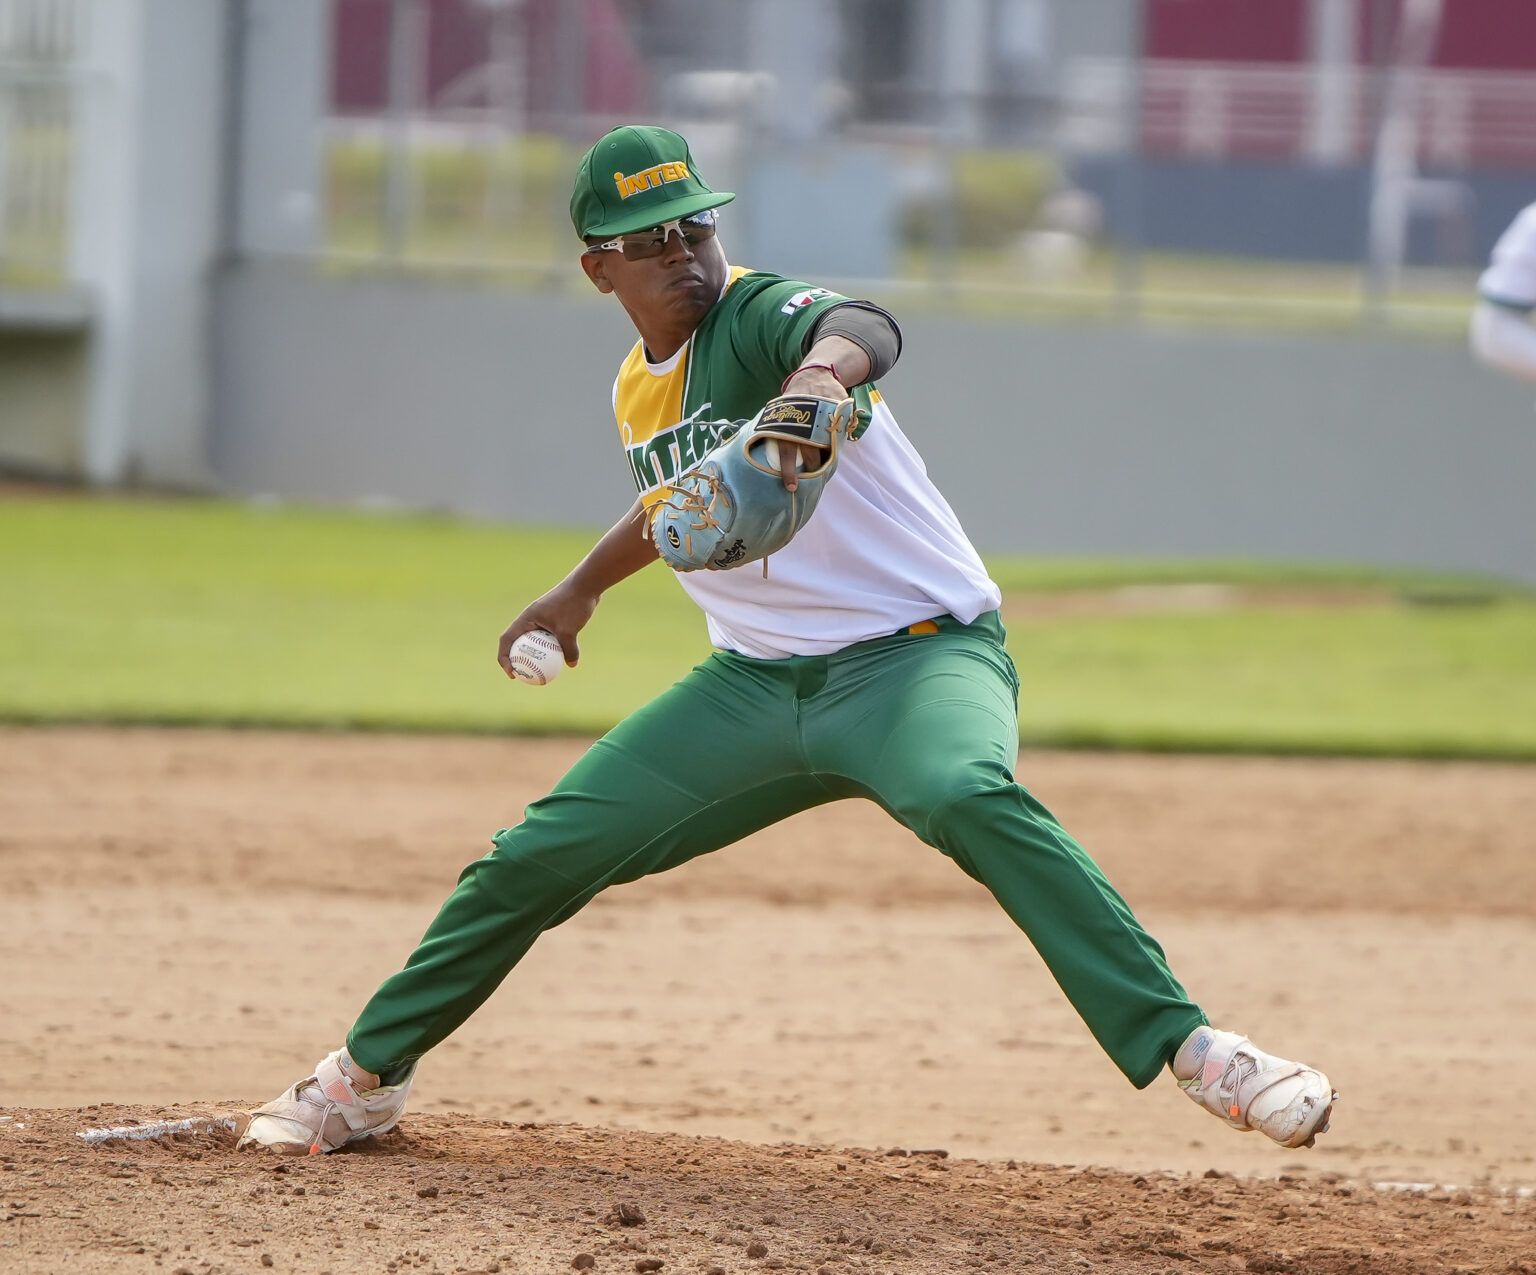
[[673, 289]]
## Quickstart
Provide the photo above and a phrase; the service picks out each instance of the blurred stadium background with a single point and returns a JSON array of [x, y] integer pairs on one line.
[[1183, 276]]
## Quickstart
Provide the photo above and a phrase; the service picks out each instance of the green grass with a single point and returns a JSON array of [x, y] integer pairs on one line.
[[500, 206], [1393, 680], [34, 247], [204, 612], [1062, 574], [200, 612]]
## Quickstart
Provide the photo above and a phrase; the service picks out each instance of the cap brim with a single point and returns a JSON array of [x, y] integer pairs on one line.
[[655, 214]]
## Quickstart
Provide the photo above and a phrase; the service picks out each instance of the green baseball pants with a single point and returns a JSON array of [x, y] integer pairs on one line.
[[924, 723]]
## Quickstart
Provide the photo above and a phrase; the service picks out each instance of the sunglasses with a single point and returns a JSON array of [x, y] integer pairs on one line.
[[644, 244]]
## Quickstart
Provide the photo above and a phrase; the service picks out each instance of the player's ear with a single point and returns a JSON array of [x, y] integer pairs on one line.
[[596, 266]]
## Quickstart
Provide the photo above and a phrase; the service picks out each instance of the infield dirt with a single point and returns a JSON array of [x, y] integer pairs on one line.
[[767, 1049]]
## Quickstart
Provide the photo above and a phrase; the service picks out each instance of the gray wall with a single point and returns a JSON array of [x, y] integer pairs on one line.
[[1283, 212], [483, 401], [1072, 439]]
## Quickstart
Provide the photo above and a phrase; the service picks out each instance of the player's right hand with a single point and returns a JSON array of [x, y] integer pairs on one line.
[[562, 612]]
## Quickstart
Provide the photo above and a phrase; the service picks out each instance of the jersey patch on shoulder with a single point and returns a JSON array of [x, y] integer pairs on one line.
[[802, 299]]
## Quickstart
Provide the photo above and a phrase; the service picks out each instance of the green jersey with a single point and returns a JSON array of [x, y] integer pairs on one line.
[[736, 360]]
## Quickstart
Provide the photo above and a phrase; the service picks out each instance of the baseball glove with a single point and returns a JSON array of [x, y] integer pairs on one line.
[[732, 507]]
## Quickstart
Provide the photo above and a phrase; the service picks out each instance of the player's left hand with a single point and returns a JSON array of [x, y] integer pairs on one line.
[[820, 382], [793, 458], [741, 502]]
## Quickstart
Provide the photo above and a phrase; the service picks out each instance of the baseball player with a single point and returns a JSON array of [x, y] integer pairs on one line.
[[1501, 334], [867, 662]]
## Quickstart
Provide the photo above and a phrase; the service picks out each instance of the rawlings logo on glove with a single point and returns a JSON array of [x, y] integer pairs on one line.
[[732, 507]]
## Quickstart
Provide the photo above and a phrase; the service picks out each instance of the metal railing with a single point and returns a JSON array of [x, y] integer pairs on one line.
[[41, 45], [1018, 188], [1244, 110]]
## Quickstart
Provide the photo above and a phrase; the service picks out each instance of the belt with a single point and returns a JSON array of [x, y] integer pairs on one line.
[[988, 624]]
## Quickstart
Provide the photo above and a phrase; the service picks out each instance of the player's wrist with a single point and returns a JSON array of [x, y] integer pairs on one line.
[[829, 368]]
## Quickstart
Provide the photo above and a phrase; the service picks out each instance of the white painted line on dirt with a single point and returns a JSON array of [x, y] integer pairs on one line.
[[158, 1129], [1519, 1192]]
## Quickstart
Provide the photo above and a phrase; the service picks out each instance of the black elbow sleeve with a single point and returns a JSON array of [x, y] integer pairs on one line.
[[869, 327]]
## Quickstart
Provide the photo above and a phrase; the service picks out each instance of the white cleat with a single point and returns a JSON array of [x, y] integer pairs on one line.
[[326, 1111], [1249, 1089]]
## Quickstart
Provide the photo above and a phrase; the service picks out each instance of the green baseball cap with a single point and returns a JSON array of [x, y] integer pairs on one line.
[[638, 176]]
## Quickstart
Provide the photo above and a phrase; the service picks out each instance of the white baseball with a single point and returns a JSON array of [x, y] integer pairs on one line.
[[771, 455], [536, 657]]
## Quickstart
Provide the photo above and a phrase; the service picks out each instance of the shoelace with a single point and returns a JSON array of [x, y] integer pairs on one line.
[[1235, 1071], [1231, 1077], [330, 1106], [687, 501], [1280, 1073]]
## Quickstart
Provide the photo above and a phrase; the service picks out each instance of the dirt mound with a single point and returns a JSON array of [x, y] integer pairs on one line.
[[191, 918], [447, 1193]]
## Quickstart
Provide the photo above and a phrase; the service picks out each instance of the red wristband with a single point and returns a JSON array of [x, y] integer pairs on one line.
[[807, 367]]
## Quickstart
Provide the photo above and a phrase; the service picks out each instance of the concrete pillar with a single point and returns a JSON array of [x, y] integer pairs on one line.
[[284, 46], [962, 35], [1334, 38], [146, 228], [796, 42]]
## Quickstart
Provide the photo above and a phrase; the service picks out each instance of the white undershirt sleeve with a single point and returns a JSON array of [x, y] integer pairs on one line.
[[1504, 339], [1510, 278]]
